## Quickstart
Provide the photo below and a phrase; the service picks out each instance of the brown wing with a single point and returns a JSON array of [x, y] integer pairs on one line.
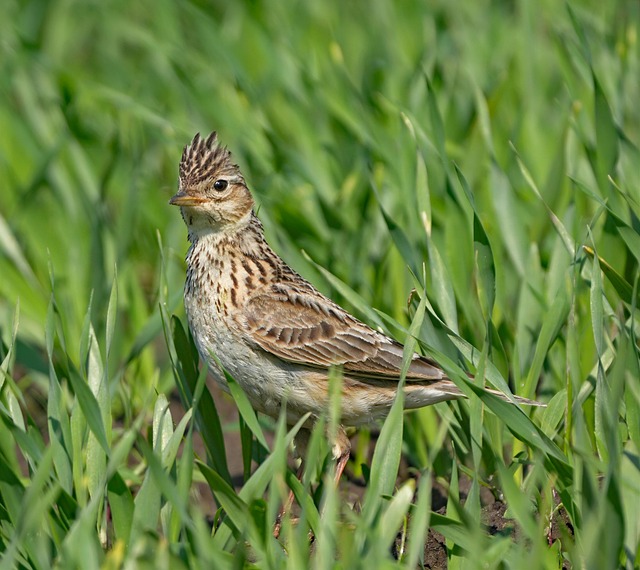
[[307, 328]]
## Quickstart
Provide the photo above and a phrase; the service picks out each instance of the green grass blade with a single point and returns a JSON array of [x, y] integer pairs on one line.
[[235, 508], [606, 136], [112, 309], [246, 410], [90, 409], [484, 263], [191, 384], [121, 507], [565, 236], [552, 323], [620, 284], [419, 522]]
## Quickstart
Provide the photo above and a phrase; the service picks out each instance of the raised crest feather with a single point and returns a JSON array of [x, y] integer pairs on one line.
[[202, 158]]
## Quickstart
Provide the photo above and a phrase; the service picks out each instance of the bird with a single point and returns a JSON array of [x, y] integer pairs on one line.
[[253, 316]]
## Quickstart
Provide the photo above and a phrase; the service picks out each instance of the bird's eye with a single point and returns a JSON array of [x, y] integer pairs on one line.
[[220, 184]]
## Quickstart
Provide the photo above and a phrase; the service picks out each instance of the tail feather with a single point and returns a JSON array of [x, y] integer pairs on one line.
[[419, 394]]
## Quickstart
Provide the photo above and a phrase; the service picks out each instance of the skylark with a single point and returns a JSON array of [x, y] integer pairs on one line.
[[273, 331]]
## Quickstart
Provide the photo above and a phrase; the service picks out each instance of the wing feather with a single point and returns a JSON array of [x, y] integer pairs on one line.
[[307, 328]]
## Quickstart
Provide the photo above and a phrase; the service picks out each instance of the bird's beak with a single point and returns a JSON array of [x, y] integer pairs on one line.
[[183, 199]]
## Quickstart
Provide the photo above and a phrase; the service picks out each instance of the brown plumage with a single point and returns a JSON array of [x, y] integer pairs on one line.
[[275, 333]]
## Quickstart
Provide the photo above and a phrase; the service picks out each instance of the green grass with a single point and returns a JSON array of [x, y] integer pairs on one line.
[[483, 155]]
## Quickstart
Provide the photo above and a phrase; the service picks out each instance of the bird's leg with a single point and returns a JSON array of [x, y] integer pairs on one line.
[[341, 451], [286, 507], [301, 442]]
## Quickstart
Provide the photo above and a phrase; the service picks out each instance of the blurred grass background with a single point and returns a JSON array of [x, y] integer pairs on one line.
[[491, 141]]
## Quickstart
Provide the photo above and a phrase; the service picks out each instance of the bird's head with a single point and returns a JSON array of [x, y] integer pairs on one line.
[[212, 193]]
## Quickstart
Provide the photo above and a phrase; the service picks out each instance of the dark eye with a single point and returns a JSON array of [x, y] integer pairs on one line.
[[220, 185]]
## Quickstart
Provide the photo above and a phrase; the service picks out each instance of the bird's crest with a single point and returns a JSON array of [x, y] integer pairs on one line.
[[204, 158]]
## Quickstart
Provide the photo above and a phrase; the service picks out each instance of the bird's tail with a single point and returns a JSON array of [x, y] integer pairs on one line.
[[419, 394]]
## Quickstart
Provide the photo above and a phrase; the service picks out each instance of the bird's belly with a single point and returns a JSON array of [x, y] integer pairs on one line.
[[266, 381]]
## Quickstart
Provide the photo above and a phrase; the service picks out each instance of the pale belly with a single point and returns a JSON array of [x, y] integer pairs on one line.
[[267, 381]]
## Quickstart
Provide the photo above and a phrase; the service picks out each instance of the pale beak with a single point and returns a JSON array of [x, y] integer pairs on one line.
[[182, 199]]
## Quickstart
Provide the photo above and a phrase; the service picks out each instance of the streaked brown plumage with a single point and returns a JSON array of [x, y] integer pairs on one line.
[[271, 329]]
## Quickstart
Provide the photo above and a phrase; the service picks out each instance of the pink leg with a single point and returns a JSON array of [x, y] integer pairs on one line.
[[286, 507], [341, 452]]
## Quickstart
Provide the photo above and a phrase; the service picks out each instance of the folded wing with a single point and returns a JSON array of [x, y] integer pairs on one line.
[[307, 328]]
